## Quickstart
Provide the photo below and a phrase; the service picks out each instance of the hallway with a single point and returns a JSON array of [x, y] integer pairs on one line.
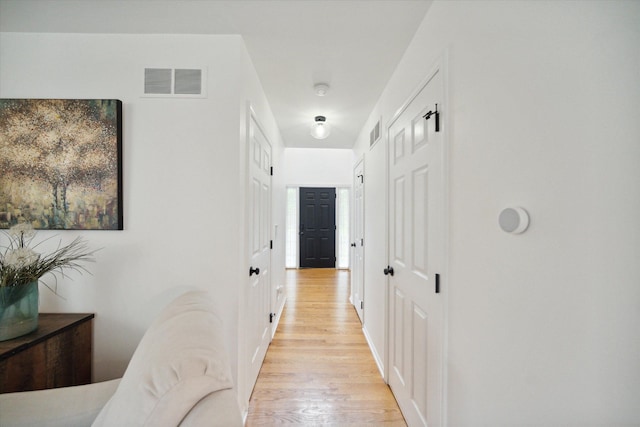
[[319, 369]]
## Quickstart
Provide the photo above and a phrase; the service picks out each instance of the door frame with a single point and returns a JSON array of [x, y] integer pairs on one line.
[[296, 238], [441, 66]]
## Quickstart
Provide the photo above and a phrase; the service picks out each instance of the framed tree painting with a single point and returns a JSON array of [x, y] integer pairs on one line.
[[61, 163]]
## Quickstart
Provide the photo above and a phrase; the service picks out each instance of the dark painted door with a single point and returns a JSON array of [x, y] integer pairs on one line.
[[317, 227]]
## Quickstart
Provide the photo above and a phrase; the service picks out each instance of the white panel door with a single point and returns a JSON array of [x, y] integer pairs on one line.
[[357, 273], [416, 255], [258, 302]]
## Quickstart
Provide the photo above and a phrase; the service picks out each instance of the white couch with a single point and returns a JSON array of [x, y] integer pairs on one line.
[[178, 375]]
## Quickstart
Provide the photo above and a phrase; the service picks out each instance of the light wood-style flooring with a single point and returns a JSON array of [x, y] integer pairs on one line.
[[319, 370]]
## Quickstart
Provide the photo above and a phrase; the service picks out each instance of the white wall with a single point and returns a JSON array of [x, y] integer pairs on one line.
[[317, 167], [542, 113], [183, 176]]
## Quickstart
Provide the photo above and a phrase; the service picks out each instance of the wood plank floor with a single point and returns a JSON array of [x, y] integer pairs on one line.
[[319, 370]]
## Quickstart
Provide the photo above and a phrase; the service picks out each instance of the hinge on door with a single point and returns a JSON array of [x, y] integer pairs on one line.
[[437, 114], [437, 283], [271, 171], [361, 242], [361, 305], [270, 244]]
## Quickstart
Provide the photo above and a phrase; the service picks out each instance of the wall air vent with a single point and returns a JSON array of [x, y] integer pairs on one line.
[[174, 82], [188, 82], [374, 135], [157, 81]]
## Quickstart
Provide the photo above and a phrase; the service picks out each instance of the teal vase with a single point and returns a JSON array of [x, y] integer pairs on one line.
[[18, 310]]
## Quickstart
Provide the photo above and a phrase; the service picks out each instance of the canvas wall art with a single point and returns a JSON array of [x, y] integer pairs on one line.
[[61, 163]]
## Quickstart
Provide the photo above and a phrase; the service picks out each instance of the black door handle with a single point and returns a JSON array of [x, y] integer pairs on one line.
[[388, 270], [253, 271]]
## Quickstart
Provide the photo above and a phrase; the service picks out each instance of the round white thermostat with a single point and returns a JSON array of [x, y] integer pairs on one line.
[[514, 220]]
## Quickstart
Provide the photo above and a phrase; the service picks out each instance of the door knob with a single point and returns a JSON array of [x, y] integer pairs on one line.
[[253, 271], [388, 270]]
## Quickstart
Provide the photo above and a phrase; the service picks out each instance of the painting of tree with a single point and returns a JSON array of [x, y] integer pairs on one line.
[[61, 163]]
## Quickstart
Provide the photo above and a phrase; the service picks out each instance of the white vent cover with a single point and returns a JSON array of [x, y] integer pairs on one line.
[[174, 82], [188, 82], [157, 81], [374, 135]]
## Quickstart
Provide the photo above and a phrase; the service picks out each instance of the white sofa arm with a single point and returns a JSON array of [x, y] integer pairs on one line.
[[180, 363], [219, 409], [57, 407]]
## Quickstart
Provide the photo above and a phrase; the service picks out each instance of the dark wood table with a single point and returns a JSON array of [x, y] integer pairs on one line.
[[57, 354]]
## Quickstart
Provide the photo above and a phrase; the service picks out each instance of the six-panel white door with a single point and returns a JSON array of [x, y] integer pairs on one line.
[[416, 254], [357, 272], [259, 285]]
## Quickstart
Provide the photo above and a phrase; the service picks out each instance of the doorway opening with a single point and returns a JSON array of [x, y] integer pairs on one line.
[[342, 229], [317, 220]]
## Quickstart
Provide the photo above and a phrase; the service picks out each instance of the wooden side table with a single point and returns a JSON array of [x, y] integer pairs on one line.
[[57, 354]]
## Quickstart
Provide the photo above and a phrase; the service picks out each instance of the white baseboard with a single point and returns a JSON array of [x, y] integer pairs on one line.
[[276, 322], [374, 353]]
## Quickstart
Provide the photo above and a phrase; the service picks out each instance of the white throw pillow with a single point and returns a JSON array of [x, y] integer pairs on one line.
[[180, 359]]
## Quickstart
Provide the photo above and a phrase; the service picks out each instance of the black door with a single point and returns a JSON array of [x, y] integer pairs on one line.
[[318, 227]]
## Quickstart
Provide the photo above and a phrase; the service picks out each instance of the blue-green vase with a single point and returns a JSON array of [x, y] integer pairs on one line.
[[18, 310]]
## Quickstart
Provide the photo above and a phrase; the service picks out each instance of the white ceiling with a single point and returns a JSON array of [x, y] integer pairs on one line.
[[352, 45]]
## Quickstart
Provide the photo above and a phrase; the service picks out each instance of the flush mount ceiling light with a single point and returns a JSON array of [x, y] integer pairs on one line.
[[321, 89], [320, 128]]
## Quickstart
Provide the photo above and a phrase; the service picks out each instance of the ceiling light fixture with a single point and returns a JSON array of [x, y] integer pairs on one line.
[[321, 89], [320, 128]]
